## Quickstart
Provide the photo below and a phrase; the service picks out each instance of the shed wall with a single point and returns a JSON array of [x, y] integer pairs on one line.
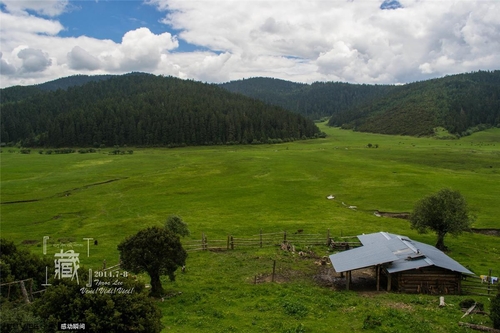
[[427, 280]]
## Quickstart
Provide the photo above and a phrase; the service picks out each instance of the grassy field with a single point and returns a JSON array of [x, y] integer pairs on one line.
[[238, 190]]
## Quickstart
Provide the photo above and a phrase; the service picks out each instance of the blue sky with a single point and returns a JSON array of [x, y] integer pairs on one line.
[[110, 19], [371, 41]]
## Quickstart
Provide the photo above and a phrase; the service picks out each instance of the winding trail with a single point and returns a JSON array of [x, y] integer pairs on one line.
[[65, 193]]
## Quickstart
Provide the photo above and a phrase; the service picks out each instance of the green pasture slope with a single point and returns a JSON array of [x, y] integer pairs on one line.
[[238, 190]]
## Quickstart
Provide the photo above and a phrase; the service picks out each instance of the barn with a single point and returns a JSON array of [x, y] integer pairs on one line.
[[402, 264]]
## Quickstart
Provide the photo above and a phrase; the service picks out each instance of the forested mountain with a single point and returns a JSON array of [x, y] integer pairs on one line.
[[457, 103], [142, 109], [18, 93], [147, 110], [314, 101]]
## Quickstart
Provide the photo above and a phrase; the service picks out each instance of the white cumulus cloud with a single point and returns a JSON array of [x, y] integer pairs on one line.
[[5, 67], [300, 40], [33, 60], [42, 7], [78, 59]]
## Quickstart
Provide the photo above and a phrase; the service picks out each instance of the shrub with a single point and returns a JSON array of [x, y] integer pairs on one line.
[[295, 309], [495, 310]]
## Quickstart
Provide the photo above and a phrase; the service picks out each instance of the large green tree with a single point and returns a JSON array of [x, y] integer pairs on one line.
[[175, 224], [19, 264], [156, 251], [102, 312], [444, 212]]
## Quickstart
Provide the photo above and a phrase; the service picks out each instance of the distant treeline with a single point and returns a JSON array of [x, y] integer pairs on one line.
[[147, 110], [458, 103], [141, 109], [314, 101]]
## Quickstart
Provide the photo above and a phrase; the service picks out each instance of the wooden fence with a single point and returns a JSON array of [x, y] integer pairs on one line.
[[296, 239], [26, 294], [475, 285]]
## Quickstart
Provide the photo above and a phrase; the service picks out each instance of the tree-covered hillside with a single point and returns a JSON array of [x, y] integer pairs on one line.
[[457, 103], [315, 101], [147, 110], [18, 93]]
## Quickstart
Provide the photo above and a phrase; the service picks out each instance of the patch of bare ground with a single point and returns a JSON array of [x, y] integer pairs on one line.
[[29, 241], [400, 306], [266, 278], [489, 232], [395, 215], [363, 280]]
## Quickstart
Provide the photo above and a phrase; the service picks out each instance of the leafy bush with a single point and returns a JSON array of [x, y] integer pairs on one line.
[[64, 151], [84, 151], [19, 319], [102, 312]]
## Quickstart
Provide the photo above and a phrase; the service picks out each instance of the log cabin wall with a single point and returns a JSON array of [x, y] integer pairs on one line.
[[427, 280]]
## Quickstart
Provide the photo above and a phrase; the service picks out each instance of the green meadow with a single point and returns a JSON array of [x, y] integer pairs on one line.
[[239, 190]]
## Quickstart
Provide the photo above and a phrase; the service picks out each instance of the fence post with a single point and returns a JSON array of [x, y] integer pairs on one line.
[[489, 281], [284, 236], [232, 242], [274, 270], [31, 289], [260, 237], [25, 293], [206, 243], [228, 241]]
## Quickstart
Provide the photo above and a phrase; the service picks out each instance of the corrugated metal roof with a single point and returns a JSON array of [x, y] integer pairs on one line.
[[440, 259], [399, 252], [361, 257]]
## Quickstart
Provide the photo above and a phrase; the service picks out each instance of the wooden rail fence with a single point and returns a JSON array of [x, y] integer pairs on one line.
[[268, 240], [475, 285], [26, 294]]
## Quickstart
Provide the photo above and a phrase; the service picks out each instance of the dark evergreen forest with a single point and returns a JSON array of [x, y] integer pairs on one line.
[[18, 93], [458, 103], [314, 101], [145, 110]]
